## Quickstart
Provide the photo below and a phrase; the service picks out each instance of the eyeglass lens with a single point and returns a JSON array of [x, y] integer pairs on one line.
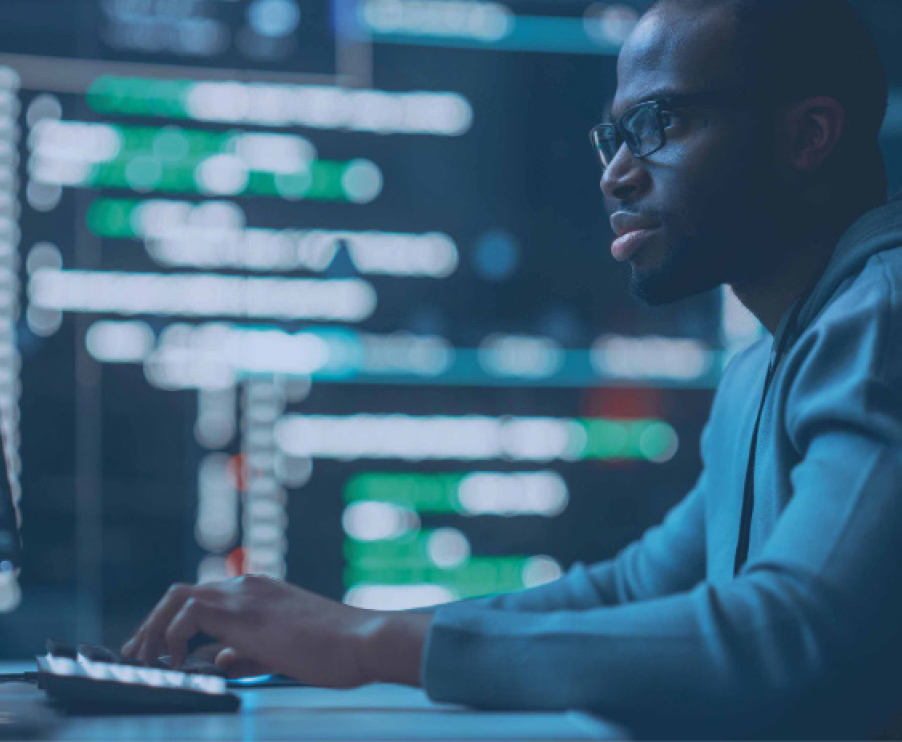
[[607, 142], [641, 130]]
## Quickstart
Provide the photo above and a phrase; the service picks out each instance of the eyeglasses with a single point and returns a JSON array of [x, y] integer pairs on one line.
[[642, 127]]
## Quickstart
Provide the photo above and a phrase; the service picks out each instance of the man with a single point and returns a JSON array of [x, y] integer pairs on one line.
[[743, 152]]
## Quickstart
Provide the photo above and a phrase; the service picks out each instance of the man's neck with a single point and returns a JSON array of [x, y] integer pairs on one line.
[[771, 295]]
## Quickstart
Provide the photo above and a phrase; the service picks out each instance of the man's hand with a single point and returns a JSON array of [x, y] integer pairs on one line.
[[269, 626]]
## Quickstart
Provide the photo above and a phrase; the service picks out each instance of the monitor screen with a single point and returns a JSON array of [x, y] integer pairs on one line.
[[323, 289], [9, 520]]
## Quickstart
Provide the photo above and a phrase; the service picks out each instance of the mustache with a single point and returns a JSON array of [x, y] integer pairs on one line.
[[643, 212]]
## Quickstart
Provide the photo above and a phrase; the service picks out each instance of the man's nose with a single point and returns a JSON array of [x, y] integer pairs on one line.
[[625, 178]]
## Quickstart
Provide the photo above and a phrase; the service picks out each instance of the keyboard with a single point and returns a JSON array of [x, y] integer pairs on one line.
[[193, 665], [93, 679]]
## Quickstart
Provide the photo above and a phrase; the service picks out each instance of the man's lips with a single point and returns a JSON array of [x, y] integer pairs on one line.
[[632, 230], [624, 248]]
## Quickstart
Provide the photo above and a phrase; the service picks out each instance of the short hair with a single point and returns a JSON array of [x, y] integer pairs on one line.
[[796, 49]]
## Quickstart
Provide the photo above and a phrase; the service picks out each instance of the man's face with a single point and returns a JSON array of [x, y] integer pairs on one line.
[[694, 208]]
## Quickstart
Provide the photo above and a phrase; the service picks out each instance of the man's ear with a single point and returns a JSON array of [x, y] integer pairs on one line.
[[810, 132]]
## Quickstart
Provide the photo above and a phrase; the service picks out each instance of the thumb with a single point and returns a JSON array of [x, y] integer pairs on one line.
[[236, 665]]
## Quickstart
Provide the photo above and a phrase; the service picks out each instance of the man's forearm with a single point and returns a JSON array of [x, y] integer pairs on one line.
[[392, 647]]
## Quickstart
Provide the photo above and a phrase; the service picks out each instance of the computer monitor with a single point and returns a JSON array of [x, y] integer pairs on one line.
[[10, 546]]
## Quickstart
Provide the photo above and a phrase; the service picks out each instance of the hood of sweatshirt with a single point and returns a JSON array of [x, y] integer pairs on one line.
[[876, 231]]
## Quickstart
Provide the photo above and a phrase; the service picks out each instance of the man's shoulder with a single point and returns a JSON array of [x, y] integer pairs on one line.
[[886, 266], [872, 298], [852, 344]]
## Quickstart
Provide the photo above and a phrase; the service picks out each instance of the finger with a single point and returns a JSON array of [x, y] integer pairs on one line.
[[237, 665], [152, 632], [129, 648], [207, 652], [196, 616]]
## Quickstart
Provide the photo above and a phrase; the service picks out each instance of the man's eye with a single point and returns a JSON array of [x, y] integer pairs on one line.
[[668, 119]]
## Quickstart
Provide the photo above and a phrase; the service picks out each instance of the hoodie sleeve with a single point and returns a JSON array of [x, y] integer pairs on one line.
[[805, 640]]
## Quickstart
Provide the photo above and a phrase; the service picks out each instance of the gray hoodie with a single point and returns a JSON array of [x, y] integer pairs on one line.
[[807, 639]]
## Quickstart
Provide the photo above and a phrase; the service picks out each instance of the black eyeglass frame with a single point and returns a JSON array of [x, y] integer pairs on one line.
[[616, 131]]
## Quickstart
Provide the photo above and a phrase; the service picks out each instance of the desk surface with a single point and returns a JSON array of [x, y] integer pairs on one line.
[[376, 712]]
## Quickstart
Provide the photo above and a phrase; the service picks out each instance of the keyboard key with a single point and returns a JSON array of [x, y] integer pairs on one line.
[[57, 648], [96, 653], [193, 666]]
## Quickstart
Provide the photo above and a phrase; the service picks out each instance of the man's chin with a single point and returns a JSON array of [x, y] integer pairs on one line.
[[660, 287]]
